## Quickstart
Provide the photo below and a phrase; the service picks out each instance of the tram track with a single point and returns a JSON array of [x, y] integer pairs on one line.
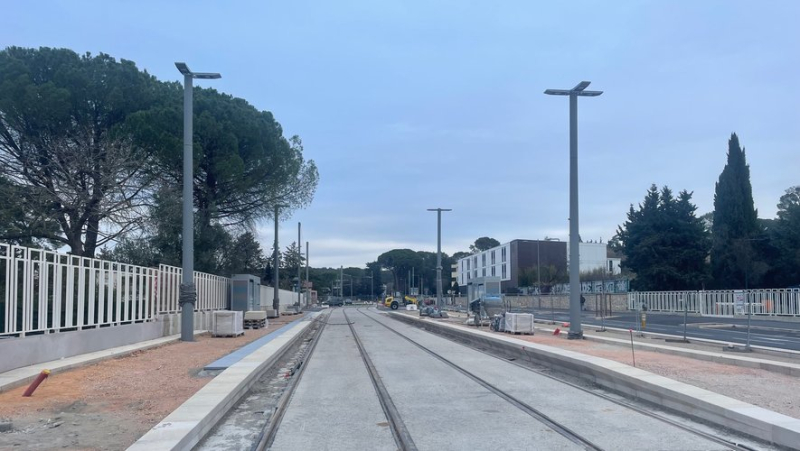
[[735, 446], [270, 429], [556, 426]]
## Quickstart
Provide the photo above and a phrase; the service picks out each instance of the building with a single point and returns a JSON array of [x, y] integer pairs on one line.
[[509, 260], [595, 256]]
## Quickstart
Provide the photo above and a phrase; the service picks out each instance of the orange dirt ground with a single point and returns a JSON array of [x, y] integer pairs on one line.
[[108, 405]]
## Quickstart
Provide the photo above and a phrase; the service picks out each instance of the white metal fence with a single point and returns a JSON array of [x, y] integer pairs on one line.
[[44, 291], [766, 302]]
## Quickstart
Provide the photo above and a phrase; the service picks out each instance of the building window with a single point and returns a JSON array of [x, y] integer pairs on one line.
[[475, 261], [504, 271], [483, 259], [503, 255], [493, 258], [474, 273], [467, 264], [493, 274], [484, 272]]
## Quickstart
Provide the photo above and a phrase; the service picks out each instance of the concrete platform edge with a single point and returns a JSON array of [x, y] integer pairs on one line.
[[20, 376], [191, 421], [673, 395]]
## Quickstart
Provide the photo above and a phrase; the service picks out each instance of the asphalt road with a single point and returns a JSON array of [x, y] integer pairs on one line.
[[763, 332]]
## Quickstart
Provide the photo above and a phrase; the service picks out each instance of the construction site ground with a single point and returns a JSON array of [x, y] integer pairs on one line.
[[767, 389], [110, 404]]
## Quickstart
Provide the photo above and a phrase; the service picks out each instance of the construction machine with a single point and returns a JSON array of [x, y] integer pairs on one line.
[[394, 304]]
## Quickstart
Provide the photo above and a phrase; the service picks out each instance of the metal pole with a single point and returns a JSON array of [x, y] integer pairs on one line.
[[188, 296], [276, 303], [439, 259], [299, 265], [439, 254], [308, 293], [575, 331], [341, 281], [538, 275], [685, 317]]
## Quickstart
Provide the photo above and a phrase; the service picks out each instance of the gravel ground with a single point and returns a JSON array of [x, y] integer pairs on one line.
[[108, 405], [773, 391]]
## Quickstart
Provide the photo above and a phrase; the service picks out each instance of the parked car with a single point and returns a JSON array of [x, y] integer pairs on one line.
[[335, 301]]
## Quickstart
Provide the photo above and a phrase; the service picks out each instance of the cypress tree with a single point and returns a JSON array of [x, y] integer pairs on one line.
[[735, 221]]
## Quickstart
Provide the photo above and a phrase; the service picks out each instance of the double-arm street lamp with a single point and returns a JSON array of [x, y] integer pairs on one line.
[[188, 295], [574, 255], [439, 254]]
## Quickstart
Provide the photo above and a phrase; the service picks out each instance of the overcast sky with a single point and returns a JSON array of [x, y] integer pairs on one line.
[[409, 105]]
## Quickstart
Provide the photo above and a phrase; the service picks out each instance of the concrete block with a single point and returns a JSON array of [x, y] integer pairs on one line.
[[255, 315]]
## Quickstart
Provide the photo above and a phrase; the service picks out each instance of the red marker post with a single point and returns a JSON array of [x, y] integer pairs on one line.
[[35, 384]]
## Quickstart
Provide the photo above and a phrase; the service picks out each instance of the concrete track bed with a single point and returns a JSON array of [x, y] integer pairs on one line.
[[694, 402]]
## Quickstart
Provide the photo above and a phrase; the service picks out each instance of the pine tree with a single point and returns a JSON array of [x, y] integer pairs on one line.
[[735, 222]]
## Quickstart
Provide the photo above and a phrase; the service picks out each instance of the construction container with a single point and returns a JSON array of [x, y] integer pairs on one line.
[[519, 323], [227, 323]]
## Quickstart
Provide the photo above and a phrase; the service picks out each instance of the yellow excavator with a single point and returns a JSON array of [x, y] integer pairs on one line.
[[394, 304]]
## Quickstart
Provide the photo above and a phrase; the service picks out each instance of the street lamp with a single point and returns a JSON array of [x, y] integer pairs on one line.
[[371, 288], [351, 283], [188, 295], [276, 303], [299, 265], [574, 256], [439, 254]]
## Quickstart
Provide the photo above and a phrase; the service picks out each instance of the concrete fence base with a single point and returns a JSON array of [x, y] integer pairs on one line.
[[18, 352]]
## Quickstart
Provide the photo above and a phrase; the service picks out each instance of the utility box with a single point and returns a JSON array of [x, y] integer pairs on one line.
[[245, 294]]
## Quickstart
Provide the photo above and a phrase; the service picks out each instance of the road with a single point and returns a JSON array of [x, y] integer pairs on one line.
[[763, 332]]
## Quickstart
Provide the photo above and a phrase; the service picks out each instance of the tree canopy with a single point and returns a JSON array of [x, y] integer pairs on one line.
[[91, 153], [66, 143], [482, 244], [664, 243]]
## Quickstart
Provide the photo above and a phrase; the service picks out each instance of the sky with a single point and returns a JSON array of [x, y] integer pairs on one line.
[[410, 105]]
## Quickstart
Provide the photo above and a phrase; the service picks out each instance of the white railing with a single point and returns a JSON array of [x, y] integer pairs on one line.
[[212, 291], [43, 291], [768, 302]]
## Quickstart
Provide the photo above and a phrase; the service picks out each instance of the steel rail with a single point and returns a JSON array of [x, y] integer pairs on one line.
[[270, 429], [401, 435], [721, 441], [528, 409]]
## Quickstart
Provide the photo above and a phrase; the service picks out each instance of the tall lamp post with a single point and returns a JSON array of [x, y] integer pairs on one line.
[[575, 330], [276, 303], [188, 295], [308, 286], [371, 288], [439, 254], [299, 266]]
